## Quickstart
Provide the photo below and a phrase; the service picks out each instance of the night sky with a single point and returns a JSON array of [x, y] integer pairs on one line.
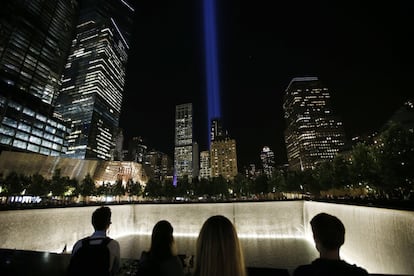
[[362, 53]]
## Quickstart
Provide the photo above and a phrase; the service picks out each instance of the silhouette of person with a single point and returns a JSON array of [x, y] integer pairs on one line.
[[101, 220], [218, 250], [329, 236], [162, 257]]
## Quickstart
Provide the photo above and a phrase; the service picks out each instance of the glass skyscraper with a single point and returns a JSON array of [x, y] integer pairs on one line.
[[183, 151], [35, 38], [93, 81], [313, 133]]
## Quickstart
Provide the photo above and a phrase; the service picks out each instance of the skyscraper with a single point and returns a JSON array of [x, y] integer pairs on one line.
[[137, 150], [94, 77], [267, 158], [205, 165], [217, 132], [223, 154], [35, 39], [313, 133], [184, 146]]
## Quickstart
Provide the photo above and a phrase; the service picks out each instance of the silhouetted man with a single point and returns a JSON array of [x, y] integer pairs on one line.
[[329, 236], [96, 254]]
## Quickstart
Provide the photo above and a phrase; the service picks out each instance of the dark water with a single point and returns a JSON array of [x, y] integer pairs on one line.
[[276, 253]]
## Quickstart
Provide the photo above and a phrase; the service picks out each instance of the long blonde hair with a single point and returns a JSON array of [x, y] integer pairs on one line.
[[218, 250]]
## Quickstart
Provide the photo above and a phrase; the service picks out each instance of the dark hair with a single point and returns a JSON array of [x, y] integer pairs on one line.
[[329, 230], [101, 218], [162, 241]]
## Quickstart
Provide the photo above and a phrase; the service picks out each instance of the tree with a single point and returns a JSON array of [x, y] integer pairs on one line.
[[261, 185], [58, 183], [340, 173], [294, 181], [118, 189], [13, 184], [169, 190], [239, 185], [278, 181], [38, 186], [153, 189], [363, 167], [133, 188], [87, 186], [219, 187], [104, 189], [324, 176], [395, 157]]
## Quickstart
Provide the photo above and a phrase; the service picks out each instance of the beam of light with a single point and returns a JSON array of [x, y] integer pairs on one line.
[[211, 63], [175, 179]]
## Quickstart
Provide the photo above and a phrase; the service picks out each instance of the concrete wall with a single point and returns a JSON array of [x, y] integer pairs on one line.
[[380, 240]]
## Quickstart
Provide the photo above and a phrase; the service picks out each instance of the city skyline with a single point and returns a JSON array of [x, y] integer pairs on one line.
[[358, 53]]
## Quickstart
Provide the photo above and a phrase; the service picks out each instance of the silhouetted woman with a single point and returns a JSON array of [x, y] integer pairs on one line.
[[162, 257]]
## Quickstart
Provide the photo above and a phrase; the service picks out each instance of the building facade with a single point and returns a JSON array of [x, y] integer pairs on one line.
[[184, 144], [137, 149], [313, 133], [35, 38], [205, 165], [93, 80], [159, 165], [223, 154], [267, 157], [223, 157]]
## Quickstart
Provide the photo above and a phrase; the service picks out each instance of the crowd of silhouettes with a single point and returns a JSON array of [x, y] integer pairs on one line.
[[218, 250]]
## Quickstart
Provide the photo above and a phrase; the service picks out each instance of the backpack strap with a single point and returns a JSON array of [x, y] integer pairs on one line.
[[105, 240]]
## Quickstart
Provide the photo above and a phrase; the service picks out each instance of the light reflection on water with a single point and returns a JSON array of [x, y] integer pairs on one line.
[[276, 253]]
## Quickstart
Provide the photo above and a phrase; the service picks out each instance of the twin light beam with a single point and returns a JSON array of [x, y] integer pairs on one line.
[[211, 63]]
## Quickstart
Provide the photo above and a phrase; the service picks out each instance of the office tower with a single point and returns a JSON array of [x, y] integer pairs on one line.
[[267, 158], [224, 158], [205, 166], [116, 151], [94, 77], [159, 164], [183, 151], [250, 171], [137, 149], [217, 132], [35, 39], [313, 134], [196, 160], [223, 154]]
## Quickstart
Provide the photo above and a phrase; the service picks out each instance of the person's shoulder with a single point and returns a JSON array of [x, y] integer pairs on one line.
[[113, 244], [111, 240], [356, 270], [303, 270], [172, 266]]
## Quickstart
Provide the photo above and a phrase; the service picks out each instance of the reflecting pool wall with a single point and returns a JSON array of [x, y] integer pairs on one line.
[[381, 240]]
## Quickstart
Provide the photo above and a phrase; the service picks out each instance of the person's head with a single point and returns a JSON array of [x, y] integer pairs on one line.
[[328, 232], [101, 218], [218, 249], [162, 240]]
